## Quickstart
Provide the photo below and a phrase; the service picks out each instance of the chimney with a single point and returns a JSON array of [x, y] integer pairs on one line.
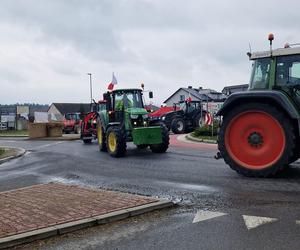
[[190, 87]]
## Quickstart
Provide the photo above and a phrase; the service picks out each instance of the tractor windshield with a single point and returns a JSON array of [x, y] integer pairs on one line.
[[128, 99], [260, 73], [288, 70]]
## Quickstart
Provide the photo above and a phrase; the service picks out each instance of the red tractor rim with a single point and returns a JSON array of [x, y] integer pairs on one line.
[[255, 140]]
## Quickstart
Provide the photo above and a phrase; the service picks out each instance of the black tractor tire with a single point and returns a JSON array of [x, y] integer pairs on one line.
[[87, 141], [115, 141], [77, 129], [101, 136], [162, 147], [178, 126], [198, 121], [142, 146], [256, 140]]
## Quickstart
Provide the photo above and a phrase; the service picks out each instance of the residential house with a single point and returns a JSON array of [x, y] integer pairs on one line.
[[196, 94], [228, 90], [57, 111]]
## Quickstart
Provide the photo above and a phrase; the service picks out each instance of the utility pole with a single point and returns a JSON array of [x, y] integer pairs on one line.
[[91, 87]]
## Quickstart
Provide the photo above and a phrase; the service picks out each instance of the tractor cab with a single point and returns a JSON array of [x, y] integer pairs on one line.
[[126, 105], [277, 70]]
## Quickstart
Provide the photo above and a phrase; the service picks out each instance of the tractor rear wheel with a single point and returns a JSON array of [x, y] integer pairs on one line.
[[101, 136], [116, 142], [256, 140], [162, 147], [77, 129], [178, 126], [142, 146]]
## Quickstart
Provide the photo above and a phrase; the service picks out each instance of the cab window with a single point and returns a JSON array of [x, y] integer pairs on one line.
[[288, 70], [260, 73]]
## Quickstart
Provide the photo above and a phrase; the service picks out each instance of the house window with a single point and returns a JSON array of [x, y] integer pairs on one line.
[[182, 98]]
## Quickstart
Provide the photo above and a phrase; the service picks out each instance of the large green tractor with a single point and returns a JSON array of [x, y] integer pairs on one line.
[[259, 134], [126, 120]]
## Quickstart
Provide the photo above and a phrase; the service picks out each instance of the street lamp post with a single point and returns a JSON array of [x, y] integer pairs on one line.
[[91, 87]]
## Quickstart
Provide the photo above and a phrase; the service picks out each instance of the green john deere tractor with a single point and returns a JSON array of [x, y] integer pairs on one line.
[[126, 120], [260, 131]]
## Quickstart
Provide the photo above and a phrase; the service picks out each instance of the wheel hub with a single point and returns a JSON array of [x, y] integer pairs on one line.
[[255, 139]]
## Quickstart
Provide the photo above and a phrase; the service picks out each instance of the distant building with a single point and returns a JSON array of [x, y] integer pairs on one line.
[[15, 116], [58, 110], [228, 90], [196, 94]]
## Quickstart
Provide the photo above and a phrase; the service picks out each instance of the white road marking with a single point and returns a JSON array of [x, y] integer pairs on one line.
[[256, 221], [206, 215], [48, 145]]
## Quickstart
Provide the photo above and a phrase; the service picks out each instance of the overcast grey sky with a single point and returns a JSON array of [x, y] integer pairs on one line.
[[46, 47]]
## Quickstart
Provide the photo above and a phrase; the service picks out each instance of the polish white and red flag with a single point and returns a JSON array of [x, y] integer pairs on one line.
[[113, 82], [208, 119], [189, 99]]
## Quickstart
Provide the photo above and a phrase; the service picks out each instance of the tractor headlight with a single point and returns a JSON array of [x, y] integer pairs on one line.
[[134, 116], [163, 118]]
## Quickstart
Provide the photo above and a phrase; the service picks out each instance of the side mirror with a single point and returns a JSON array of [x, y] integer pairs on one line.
[[107, 98], [150, 94]]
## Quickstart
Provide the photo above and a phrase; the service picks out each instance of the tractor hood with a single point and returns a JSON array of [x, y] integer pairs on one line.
[[137, 111]]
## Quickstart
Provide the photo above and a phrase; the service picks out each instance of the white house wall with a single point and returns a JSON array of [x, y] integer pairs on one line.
[[54, 114], [176, 97]]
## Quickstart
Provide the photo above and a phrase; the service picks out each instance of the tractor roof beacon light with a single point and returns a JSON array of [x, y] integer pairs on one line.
[[143, 86], [271, 38]]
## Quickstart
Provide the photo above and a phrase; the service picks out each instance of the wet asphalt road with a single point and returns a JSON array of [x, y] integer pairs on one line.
[[187, 174]]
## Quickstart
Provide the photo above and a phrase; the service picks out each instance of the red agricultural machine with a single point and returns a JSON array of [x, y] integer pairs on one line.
[[89, 122], [72, 123]]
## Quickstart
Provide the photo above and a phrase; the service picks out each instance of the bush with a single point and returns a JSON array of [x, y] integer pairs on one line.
[[2, 151], [206, 130]]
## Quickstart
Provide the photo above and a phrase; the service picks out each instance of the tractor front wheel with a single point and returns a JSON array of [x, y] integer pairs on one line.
[[116, 142], [162, 147], [256, 140], [101, 136], [199, 121], [178, 126]]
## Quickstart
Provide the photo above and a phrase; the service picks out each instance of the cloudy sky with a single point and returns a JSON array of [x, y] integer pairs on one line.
[[47, 47]]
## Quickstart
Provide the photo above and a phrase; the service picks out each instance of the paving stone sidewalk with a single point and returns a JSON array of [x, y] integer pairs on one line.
[[47, 205]]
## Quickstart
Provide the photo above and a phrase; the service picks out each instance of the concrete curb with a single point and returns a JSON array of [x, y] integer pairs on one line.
[[13, 136], [192, 138], [21, 152], [55, 139], [80, 224]]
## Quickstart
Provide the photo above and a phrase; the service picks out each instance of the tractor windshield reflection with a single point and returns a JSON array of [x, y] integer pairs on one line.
[[260, 73], [128, 99], [288, 70]]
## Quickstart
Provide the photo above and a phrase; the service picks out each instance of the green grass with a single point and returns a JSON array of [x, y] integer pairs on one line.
[[2, 151], [205, 137], [13, 133]]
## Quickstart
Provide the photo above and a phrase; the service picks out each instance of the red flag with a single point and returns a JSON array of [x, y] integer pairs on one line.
[[113, 82], [189, 99]]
